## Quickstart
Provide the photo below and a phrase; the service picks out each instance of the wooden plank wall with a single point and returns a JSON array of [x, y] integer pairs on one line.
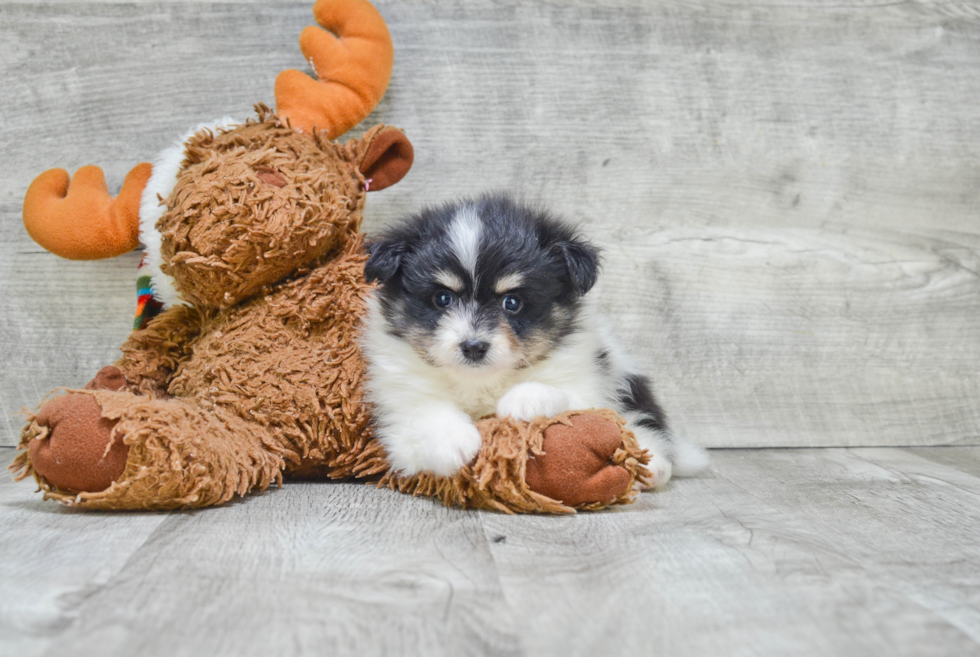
[[788, 194]]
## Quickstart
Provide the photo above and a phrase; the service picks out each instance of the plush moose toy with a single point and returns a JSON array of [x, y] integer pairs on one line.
[[252, 371]]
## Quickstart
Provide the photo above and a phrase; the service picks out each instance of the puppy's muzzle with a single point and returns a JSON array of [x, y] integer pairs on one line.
[[474, 350]]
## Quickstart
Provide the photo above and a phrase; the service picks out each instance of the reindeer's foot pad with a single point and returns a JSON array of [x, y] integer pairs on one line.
[[111, 449], [109, 377], [73, 446], [577, 465]]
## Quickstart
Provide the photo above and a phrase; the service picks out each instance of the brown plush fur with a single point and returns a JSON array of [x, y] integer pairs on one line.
[[262, 378], [255, 390], [255, 203]]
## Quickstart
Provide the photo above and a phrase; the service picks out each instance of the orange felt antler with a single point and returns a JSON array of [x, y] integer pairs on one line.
[[353, 70], [77, 219]]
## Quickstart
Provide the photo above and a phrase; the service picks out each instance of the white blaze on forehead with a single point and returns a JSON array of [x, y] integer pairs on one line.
[[507, 282], [450, 280], [464, 236]]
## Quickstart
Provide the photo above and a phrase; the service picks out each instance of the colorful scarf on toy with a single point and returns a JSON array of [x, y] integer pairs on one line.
[[147, 306]]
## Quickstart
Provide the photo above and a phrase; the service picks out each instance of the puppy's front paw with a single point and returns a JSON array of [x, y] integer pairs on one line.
[[438, 441], [456, 445], [526, 401]]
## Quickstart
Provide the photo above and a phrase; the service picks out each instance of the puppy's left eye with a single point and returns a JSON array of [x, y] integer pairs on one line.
[[512, 303]]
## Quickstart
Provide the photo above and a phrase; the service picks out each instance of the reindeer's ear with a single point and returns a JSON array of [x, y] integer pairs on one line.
[[387, 158]]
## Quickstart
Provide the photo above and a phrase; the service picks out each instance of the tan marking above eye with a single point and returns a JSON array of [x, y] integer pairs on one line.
[[270, 176], [450, 280], [508, 282]]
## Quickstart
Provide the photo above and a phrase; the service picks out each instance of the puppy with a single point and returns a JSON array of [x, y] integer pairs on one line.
[[482, 309]]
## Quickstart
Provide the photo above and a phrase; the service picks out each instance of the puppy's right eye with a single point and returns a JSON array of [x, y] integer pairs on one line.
[[443, 299]]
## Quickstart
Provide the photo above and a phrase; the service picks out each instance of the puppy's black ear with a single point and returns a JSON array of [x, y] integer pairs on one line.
[[385, 258], [582, 260]]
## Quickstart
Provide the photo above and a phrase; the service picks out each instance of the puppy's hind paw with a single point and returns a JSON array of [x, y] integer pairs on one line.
[[660, 472]]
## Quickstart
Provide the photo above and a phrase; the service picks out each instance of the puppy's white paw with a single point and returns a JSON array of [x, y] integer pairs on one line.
[[526, 401], [438, 441], [457, 446], [660, 471], [656, 443]]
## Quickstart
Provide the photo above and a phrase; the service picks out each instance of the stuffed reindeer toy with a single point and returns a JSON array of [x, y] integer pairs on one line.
[[252, 371]]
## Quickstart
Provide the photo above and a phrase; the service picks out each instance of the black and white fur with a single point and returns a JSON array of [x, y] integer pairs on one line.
[[482, 309]]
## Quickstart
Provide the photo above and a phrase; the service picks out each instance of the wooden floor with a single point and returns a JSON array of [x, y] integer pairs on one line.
[[820, 552]]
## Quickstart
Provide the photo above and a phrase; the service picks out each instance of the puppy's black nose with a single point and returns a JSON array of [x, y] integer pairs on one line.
[[474, 350]]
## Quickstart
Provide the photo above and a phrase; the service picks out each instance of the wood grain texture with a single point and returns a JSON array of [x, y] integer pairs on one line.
[[786, 192], [52, 559], [789, 552]]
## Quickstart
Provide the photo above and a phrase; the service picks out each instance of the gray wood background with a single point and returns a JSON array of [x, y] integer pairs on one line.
[[787, 193]]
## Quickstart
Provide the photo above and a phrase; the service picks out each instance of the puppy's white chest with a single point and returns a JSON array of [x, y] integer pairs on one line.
[[477, 401]]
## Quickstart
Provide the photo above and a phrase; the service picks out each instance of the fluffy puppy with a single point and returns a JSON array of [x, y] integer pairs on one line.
[[482, 309]]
